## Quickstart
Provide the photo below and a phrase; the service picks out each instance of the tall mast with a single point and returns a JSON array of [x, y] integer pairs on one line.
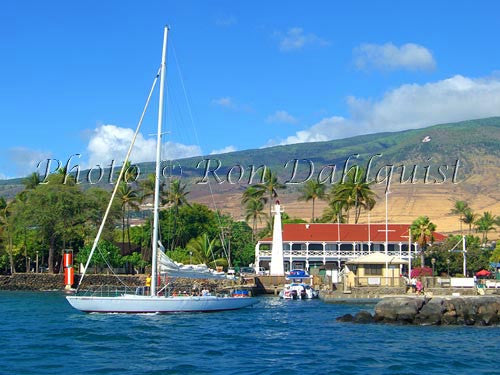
[[157, 169]]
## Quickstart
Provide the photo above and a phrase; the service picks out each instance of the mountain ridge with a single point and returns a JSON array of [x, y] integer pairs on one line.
[[476, 143]]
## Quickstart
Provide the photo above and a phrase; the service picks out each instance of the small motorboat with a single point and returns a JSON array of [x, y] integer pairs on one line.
[[298, 288]]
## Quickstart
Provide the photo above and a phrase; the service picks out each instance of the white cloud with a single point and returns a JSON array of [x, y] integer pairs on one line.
[[111, 142], [224, 102], [224, 150], [296, 39], [409, 106], [281, 116], [229, 103], [226, 20], [25, 160], [387, 56]]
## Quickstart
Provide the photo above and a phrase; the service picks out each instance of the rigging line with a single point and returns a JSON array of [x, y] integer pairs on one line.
[[122, 171], [109, 266], [197, 140], [453, 248]]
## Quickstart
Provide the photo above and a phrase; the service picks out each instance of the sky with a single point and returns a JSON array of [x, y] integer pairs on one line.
[[74, 75]]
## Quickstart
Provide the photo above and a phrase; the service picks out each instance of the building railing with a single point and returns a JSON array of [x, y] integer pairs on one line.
[[331, 253]]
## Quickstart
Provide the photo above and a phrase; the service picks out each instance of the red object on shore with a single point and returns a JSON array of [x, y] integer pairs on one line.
[[483, 273], [421, 271], [69, 276], [68, 259]]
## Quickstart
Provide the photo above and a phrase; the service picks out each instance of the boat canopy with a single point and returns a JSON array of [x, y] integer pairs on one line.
[[297, 274]]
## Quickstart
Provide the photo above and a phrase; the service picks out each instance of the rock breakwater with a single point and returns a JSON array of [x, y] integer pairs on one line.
[[481, 310], [47, 281]]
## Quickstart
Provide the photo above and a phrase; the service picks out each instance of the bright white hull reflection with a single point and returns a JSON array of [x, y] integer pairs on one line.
[[147, 304]]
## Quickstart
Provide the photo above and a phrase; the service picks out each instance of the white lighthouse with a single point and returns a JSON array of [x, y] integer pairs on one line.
[[277, 268]]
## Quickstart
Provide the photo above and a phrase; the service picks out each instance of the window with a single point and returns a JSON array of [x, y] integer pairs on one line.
[[373, 269]]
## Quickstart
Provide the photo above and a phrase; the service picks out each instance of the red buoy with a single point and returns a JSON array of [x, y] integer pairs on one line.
[[69, 271], [69, 276], [68, 259]]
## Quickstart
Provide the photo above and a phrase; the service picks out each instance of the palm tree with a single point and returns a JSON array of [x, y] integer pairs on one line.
[[485, 223], [333, 213], [130, 174], [205, 251], [469, 219], [253, 192], [341, 196], [363, 198], [129, 199], [254, 211], [312, 190], [147, 187], [32, 181], [422, 229], [270, 187], [460, 208], [176, 196], [355, 193]]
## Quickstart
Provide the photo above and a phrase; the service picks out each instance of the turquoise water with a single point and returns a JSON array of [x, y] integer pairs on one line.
[[41, 334]]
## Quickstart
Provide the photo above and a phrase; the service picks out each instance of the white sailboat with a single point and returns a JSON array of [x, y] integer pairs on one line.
[[154, 302]]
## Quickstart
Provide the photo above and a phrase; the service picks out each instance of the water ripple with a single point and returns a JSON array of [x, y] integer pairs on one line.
[[40, 333]]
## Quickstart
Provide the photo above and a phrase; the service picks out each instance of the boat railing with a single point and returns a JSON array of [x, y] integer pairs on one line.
[[113, 291]]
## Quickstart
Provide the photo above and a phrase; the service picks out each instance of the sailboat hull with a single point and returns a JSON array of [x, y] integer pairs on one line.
[[164, 305]]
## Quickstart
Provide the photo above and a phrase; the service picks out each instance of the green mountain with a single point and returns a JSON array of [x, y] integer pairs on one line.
[[476, 143]]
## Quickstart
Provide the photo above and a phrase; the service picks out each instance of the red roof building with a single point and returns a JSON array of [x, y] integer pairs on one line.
[[331, 245]]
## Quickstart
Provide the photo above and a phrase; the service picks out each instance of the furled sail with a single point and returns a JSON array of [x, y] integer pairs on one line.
[[173, 269]]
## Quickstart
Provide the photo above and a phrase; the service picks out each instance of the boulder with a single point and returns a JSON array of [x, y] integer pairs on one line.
[[431, 312], [363, 317], [487, 310], [394, 309], [345, 318], [409, 309], [449, 318]]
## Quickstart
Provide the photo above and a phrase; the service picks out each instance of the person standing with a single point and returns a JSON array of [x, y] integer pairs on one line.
[[148, 285], [413, 283], [419, 286]]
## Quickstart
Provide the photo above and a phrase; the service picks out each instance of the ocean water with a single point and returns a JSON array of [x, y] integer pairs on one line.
[[41, 334]]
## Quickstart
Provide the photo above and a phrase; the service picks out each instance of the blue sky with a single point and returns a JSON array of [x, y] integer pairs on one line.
[[74, 75]]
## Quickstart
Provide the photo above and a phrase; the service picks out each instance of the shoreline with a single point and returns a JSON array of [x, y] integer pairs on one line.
[[55, 282]]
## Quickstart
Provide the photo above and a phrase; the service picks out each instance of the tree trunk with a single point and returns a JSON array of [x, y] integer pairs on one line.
[[123, 225], [11, 256], [270, 210], [51, 254], [254, 229], [128, 230], [312, 221], [61, 265], [356, 210], [174, 230]]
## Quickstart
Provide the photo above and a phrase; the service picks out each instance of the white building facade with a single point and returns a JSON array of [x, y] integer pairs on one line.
[[331, 245]]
